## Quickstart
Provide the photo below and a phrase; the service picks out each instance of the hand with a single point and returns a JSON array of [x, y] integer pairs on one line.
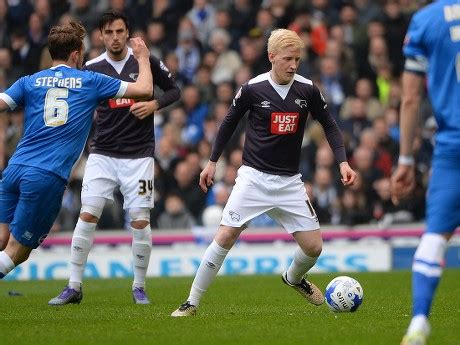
[[139, 48], [207, 175], [348, 174], [141, 110], [402, 182]]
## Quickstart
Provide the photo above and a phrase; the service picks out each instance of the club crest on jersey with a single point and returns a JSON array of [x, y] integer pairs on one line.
[[235, 216], [284, 123], [120, 103], [265, 104], [301, 103], [134, 76]]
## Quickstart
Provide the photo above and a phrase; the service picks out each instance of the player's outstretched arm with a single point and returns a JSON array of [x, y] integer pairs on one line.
[[143, 87]]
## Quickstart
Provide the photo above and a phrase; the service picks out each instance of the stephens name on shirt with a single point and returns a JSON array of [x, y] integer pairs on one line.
[[69, 83]]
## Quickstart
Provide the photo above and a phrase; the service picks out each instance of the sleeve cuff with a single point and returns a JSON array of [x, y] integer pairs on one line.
[[8, 100], [122, 90]]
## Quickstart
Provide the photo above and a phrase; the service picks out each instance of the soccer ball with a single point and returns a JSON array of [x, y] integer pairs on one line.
[[344, 294]]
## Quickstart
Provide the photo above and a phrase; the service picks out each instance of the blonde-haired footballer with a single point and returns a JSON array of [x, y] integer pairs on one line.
[[279, 103]]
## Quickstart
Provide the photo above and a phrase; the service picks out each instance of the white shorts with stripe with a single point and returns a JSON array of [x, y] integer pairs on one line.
[[104, 174], [283, 198]]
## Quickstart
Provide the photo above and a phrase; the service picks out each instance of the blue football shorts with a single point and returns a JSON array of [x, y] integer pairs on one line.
[[30, 200], [443, 198]]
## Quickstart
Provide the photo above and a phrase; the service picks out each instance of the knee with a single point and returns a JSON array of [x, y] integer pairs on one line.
[[227, 236], [139, 224], [139, 217], [314, 249], [88, 217]]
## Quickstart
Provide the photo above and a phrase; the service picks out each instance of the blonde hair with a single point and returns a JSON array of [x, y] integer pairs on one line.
[[282, 38]]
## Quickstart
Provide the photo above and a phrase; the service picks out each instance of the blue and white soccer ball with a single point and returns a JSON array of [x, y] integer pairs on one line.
[[343, 294]]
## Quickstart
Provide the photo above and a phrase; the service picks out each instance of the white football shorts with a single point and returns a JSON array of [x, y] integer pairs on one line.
[[104, 174], [283, 198]]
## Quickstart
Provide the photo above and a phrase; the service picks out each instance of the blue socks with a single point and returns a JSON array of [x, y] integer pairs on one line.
[[426, 272]]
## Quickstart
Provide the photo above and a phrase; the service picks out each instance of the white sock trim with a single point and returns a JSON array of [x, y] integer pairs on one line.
[[431, 248], [6, 264]]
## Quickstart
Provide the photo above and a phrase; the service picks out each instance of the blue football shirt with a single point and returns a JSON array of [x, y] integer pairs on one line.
[[59, 104], [432, 46]]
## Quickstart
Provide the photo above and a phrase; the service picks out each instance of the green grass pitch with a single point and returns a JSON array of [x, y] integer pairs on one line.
[[236, 310]]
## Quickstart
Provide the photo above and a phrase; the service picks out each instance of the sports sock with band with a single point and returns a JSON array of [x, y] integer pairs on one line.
[[82, 241], [426, 272], [207, 271], [141, 250], [300, 265], [6, 264]]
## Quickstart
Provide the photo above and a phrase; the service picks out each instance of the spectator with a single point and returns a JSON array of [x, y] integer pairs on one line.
[[336, 86], [396, 24], [188, 189], [196, 113], [36, 34], [202, 15], [187, 51], [176, 215], [228, 61], [364, 90], [4, 24], [324, 195], [356, 123], [26, 55], [352, 209], [156, 39], [85, 13], [381, 158], [204, 83]]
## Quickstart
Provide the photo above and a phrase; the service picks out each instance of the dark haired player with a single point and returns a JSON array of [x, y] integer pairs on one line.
[[121, 156]]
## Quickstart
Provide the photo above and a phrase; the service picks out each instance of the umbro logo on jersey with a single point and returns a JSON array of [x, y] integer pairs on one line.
[[265, 104], [301, 103], [133, 76]]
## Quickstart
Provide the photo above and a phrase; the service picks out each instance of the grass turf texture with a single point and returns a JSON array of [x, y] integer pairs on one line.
[[236, 310]]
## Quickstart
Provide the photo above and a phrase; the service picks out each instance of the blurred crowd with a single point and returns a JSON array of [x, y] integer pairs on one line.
[[353, 53]]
